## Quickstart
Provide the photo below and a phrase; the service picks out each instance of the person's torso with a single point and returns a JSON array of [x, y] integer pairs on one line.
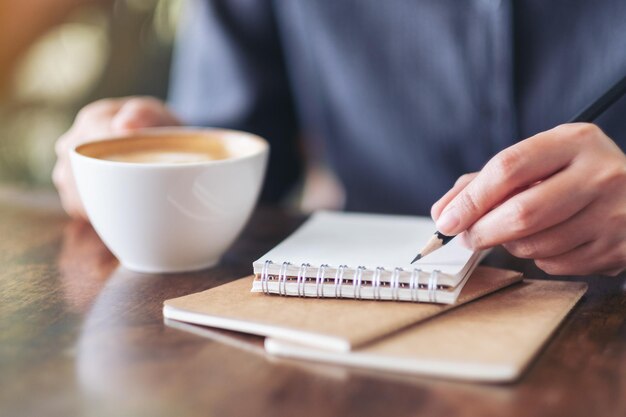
[[404, 96]]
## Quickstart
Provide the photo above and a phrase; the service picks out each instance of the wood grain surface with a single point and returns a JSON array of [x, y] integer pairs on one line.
[[81, 336]]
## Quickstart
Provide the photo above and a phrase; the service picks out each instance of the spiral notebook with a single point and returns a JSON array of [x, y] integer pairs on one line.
[[365, 256]]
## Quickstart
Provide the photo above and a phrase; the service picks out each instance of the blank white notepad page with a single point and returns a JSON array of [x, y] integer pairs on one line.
[[369, 240]]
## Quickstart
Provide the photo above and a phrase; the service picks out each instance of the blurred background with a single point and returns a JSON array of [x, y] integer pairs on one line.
[[58, 55]]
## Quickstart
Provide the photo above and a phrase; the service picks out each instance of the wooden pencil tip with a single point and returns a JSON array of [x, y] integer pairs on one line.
[[434, 243]]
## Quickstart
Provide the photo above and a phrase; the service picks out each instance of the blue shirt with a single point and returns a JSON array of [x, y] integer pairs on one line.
[[399, 97]]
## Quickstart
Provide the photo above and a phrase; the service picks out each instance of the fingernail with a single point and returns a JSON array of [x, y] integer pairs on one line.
[[448, 221], [433, 210]]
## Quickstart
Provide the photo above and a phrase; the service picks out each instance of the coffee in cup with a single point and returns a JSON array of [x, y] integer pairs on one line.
[[163, 149], [170, 199]]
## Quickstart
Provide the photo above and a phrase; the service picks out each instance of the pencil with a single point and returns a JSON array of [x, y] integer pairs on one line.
[[587, 115]]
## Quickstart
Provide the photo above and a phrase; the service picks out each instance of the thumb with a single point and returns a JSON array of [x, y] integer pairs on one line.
[[138, 113]]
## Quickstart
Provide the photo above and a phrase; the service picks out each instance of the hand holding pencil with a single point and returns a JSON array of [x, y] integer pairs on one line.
[[558, 197]]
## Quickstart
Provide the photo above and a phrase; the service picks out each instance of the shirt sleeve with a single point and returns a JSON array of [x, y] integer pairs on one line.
[[228, 71]]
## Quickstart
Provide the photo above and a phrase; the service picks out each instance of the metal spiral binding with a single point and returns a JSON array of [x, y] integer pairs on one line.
[[414, 284], [319, 280], [376, 282], [432, 286], [339, 279], [302, 278], [265, 277], [394, 283], [357, 282], [282, 278]]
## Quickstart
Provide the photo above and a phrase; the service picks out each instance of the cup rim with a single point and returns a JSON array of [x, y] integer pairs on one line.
[[263, 148]]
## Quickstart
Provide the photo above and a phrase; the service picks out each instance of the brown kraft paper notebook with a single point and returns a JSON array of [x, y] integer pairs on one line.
[[333, 324], [492, 340]]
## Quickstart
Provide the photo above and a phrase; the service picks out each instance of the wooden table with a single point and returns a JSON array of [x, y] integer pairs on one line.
[[80, 336]]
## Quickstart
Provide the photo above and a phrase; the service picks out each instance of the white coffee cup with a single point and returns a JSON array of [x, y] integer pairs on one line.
[[169, 215]]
